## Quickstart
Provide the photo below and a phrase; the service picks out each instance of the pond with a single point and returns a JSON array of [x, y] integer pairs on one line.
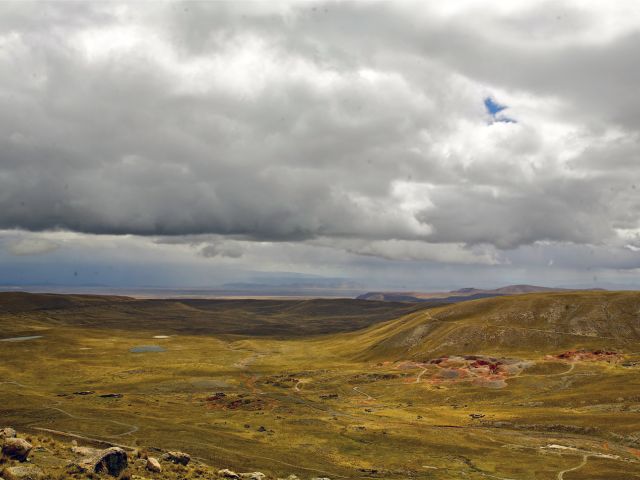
[[147, 348]]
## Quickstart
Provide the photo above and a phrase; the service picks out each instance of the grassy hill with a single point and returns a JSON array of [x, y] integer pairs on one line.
[[530, 324], [523, 387]]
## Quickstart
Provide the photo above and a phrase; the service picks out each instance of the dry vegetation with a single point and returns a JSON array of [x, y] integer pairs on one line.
[[520, 387]]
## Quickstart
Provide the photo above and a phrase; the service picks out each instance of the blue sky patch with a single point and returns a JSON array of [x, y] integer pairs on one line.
[[494, 109]]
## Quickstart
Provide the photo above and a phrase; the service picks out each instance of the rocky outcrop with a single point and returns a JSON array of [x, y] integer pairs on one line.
[[153, 465], [177, 457], [226, 473], [16, 448], [54, 459], [253, 476], [23, 472], [112, 461], [7, 432]]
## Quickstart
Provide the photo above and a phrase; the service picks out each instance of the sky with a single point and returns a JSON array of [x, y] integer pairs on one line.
[[379, 145]]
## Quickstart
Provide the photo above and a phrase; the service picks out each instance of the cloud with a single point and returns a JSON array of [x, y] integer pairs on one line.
[[352, 126], [31, 246]]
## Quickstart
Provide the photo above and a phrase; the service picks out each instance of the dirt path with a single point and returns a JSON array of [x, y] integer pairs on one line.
[[132, 428], [424, 370], [577, 467], [15, 383], [369, 397], [566, 372]]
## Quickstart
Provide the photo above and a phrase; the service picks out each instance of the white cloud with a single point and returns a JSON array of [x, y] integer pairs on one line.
[[31, 246], [323, 127]]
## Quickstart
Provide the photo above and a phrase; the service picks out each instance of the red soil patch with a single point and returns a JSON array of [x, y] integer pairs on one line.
[[480, 370]]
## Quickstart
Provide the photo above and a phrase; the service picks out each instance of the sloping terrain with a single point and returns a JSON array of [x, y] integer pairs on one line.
[[527, 387], [241, 317], [540, 323]]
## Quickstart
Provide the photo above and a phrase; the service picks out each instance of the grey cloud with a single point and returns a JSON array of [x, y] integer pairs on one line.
[[295, 122]]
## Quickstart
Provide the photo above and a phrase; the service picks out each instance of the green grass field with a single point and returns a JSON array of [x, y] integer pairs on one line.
[[338, 388]]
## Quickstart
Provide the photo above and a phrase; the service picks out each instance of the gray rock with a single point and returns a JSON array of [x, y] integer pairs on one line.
[[112, 461], [7, 432], [226, 473], [177, 457], [253, 476], [23, 472], [153, 465], [16, 448]]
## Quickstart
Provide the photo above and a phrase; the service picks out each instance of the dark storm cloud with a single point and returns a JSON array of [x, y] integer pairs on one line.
[[341, 121]]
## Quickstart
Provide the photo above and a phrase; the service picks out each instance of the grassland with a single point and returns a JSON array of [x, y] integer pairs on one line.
[[337, 388]]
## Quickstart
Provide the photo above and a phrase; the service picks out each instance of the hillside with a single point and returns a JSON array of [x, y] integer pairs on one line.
[[523, 387], [201, 316], [525, 324]]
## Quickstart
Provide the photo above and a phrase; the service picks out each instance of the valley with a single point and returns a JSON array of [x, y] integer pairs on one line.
[[536, 386]]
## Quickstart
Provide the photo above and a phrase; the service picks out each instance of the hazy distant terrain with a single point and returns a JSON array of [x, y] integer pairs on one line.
[[531, 386], [461, 295]]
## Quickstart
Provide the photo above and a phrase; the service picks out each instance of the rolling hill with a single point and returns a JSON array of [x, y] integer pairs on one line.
[[521, 387], [524, 324]]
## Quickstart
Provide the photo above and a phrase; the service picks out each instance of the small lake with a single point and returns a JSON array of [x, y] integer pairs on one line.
[[20, 339], [147, 348]]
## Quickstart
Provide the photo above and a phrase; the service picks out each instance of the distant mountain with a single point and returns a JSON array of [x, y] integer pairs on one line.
[[460, 295]]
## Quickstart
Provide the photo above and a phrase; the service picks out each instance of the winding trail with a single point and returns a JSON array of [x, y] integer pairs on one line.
[[15, 383], [424, 370], [582, 464], [132, 428], [567, 372], [369, 397]]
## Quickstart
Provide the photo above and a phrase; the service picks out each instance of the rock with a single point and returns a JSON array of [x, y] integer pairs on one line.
[[112, 461], [226, 473], [16, 448], [23, 472], [7, 432], [85, 451], [253, 476], [290, 477], [177, 457], [153, 465], [112, 395]]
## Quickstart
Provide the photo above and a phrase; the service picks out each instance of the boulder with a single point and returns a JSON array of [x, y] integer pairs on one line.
[[226, 473], [16, 448], [153, 465], [253, 476], [23, 472], [177, 457], [112, 461], [7, 432]]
